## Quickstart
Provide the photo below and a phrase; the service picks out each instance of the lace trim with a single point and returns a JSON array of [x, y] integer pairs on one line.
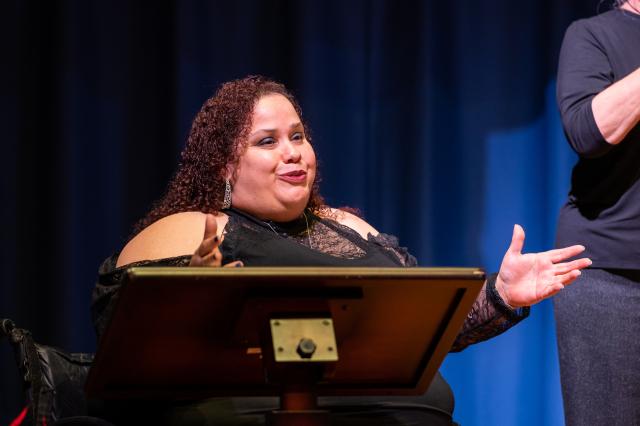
[[330, 237], [489, 316]]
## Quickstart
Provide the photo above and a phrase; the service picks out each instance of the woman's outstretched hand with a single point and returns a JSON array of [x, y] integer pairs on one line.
[[526, 279], [208, 254]]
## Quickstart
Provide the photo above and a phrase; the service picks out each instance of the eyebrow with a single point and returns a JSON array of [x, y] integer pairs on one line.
[[292, 126]]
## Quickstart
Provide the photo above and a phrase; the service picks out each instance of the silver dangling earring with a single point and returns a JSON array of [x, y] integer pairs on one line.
[[226, 203]]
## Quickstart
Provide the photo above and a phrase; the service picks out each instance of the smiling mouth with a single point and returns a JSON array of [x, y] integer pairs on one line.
[[294, 176]]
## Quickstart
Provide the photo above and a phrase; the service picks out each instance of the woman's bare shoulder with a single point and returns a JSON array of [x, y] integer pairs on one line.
[[354, 222], [174, 235]]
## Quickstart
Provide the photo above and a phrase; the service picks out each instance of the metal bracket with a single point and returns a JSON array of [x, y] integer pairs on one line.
[[303, 340]]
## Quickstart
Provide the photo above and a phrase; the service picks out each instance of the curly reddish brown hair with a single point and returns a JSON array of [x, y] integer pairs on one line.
[[217, 138]]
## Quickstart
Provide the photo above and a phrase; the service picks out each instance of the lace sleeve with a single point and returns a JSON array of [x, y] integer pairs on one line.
[[488, 317], [391, 245]]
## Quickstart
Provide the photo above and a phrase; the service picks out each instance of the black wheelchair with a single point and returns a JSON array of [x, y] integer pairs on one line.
[[53, 380]]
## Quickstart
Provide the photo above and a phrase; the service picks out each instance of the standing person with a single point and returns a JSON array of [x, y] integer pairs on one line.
[[598, 321]]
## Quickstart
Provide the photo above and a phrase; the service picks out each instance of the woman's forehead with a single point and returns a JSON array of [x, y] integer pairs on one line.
[[273, 110]]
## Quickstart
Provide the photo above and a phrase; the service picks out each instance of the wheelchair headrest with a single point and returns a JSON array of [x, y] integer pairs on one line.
[[6, 327]]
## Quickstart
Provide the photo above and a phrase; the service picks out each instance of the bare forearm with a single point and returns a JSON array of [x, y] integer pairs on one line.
[[616, 109]]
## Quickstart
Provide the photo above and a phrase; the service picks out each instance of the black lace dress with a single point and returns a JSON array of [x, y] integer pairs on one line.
[[315, 241]]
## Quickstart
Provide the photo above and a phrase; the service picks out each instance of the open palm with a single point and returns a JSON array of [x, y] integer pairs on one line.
[[526, 279]]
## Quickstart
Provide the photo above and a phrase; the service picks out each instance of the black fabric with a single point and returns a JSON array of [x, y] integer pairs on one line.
[[433, 408], [64, 377], [53, 379], [82, 421], [260, 243], [602, 212]]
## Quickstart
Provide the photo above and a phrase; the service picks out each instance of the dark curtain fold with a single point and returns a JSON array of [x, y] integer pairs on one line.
[[435, 118]]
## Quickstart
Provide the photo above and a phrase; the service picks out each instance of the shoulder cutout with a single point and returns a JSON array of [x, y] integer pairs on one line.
[[354, 222], [175, 235]]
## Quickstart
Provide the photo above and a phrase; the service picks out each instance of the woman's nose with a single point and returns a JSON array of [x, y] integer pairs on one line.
[[291, 152]]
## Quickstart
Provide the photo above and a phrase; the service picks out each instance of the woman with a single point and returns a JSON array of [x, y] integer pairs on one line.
[[599, 98], [246, 194]]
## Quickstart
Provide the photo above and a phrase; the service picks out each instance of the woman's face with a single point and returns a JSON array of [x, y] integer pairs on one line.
[[276, 171]]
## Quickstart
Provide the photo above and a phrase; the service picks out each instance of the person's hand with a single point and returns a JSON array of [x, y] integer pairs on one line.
[[526, 279], [208, 254]]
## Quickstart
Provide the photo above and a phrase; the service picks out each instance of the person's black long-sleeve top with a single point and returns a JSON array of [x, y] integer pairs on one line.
[[603, 210]]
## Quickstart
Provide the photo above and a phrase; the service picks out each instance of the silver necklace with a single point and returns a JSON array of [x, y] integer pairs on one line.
[[308, 231], [306, 221]]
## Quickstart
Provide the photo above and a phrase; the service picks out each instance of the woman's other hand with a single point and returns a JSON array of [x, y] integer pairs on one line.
[[526, 279], [208, 253]]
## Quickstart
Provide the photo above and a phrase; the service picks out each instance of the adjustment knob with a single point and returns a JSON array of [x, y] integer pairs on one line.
[[306, 348]]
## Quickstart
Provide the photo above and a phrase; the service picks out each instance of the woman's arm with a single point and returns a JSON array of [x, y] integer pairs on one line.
[[489, 316], [584, 71], [616, 109]]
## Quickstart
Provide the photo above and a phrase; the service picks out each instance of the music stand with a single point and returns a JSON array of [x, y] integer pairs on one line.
[[187, 333]]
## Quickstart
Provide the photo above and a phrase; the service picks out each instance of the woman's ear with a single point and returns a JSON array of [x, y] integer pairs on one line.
[[229, 172]]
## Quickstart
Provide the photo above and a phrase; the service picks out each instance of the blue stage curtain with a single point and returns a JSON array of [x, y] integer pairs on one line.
[[436, 119]]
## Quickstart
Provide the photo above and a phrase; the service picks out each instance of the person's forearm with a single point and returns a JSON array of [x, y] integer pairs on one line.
[[616, 109]]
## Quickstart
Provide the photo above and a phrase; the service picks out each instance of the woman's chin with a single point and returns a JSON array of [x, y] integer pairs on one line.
[[294, 198], [292, 208]]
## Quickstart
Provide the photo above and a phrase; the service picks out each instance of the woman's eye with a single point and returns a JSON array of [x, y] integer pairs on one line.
[[266, 141], [298, 136]]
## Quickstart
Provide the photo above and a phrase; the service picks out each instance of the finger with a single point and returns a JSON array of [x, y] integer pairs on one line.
[[195, 260], [559, 283], [208, 245], [568, 278], [552, 290], [558, 255], [236, 264], [214, 258], [517, 240], [563, 268], [210, 227]]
